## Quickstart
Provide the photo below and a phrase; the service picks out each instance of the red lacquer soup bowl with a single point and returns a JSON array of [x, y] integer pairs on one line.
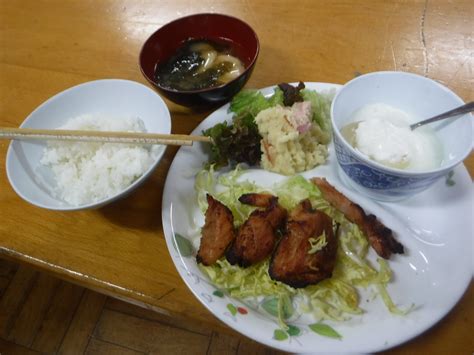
[[164, 43]]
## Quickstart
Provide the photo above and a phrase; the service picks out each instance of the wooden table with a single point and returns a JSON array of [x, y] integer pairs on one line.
[[48, 46]]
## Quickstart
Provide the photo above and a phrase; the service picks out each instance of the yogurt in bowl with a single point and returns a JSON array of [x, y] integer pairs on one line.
[[410, 98], [382, 133]]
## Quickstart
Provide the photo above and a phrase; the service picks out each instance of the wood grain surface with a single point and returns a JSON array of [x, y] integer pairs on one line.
[[119, 250]]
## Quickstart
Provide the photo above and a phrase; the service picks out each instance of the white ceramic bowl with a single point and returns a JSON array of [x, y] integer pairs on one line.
[[413, 94], [122, 98]]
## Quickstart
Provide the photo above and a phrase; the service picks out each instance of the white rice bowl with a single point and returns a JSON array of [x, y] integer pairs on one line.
[[87, 172], [110, 98]]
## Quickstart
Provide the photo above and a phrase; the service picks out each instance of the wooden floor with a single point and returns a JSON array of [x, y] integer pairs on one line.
[[41, 314]]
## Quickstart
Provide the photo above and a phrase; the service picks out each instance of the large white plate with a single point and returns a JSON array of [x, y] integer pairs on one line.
[[435, 227]]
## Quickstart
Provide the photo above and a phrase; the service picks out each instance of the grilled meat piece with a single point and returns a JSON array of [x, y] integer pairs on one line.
[[275, 214], [257, 236], [217, 233], [258, 199], [379, 236], [292, 263]]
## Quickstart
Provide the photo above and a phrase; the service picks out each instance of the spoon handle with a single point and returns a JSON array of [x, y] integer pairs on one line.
[[455, 112]]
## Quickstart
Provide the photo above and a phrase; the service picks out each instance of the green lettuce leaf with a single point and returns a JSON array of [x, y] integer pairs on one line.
[[321, 106], [248, 102]]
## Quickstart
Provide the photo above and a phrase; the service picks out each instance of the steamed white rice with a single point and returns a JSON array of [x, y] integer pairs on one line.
[[86, 172]]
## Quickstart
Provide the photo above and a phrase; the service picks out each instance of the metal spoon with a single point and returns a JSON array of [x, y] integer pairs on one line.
[[455, 112]]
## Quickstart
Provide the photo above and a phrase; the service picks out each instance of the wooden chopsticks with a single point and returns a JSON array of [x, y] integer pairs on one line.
[[100, 136]]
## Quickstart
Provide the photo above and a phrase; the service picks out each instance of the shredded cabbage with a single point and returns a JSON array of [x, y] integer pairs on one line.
[[318, 243], [336, 298], [245, 282]]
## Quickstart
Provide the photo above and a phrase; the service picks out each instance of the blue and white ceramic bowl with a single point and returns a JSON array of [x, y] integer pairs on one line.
[[411, 93]]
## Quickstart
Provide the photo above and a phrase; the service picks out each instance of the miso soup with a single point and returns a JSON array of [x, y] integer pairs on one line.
[[199, 64]]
